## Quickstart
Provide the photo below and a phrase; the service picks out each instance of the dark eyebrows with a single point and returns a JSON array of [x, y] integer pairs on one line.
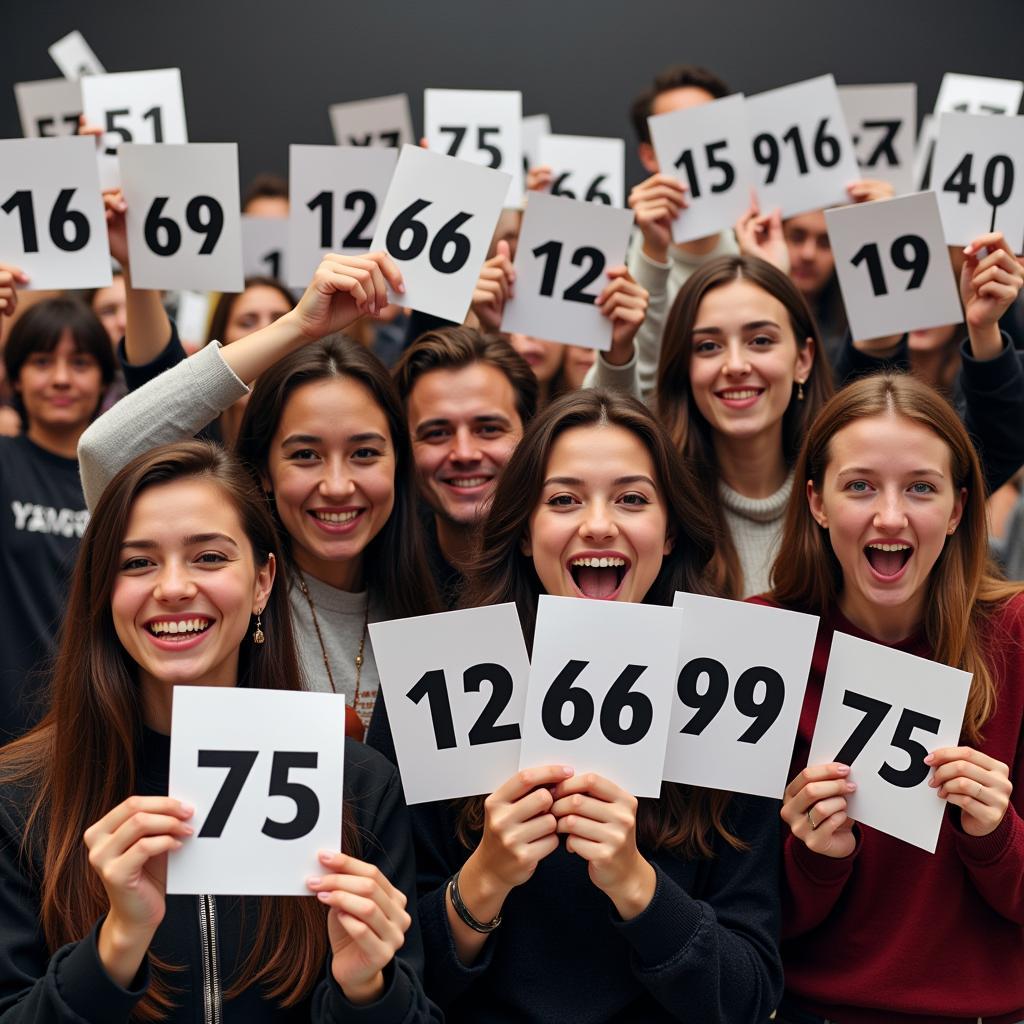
[[868, 471], [369, 435], [442, 421], [571, 481], [754, 325], [190, 541]]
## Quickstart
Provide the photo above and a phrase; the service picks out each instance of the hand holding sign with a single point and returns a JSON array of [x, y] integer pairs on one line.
[[10, 278], [494, 287], [989, 285], [816, 808], [976, 783], [656, 203]]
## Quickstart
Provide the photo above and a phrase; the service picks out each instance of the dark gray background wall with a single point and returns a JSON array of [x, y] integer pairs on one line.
[[262, 72]]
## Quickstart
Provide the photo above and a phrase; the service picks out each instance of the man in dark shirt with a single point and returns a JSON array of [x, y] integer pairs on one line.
[[468, 396], [59, 361]]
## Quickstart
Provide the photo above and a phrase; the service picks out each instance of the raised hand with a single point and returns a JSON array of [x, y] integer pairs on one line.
[[760, 234], [815, 809], [624, 302], [656, 203], [494, 288]]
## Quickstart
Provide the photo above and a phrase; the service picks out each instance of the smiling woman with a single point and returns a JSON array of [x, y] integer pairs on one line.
[[178, 561]]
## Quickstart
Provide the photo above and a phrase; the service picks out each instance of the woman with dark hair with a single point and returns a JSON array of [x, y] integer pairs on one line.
[[885, 538], [325, 436], [741, 376], [654, 910], [59, 362], [176, 566]]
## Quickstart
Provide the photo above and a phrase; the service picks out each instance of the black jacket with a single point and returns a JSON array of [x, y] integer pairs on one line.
[[204, 935]]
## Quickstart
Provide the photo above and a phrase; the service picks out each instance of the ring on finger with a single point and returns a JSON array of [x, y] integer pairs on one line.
[[810, 818]]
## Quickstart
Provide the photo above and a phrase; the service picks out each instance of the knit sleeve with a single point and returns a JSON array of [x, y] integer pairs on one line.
[[174, 406], [812, 885], [614, 378], [716, 958], [655, 278]]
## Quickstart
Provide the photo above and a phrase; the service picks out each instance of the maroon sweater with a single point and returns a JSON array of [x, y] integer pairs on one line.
[[894, 934]]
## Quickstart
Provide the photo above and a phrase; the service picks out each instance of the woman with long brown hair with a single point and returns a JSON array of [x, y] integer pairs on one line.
[[325, 436], [885, 539], [654, 910], [176, 570], [741, 375]]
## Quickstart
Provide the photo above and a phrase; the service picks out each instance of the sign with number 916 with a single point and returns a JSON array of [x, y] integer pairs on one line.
[[263, 769]]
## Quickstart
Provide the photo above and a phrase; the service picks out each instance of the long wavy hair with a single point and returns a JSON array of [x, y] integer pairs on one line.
[[83, 757], [684, 818], [964, 587], [677, 409], [395, 565]]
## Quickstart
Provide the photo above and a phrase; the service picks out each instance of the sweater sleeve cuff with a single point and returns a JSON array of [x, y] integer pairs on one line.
[[214, 381], [137, 374], [990, 374], [665, 926], [87, 989], [434, 922], [649, 274], [982, 851], [393, 1004], [816, 866]]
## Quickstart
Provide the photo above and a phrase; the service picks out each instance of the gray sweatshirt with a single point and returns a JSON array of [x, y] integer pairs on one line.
[[174, 407]]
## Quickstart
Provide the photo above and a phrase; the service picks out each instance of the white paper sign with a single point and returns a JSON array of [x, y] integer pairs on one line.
[[334, 194], [924, 155], [183, 221], [48, 109], [483, 126], [437, 221], [454, 685], [978, 176], [384, 121], [882, 712], [707, 148], [737, 705], [133, 106], [585, 167], [565, 248], [535, 127], [975, 94], [882, 120], [263, 769], [74, 56], [803, 155], [602, 681], [264, 247], [894, 271], [52, 223]]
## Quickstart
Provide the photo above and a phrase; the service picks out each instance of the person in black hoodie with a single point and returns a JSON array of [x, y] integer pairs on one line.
[[176, 572]]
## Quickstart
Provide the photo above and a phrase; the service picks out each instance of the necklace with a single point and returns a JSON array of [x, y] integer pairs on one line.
[[323, 647]]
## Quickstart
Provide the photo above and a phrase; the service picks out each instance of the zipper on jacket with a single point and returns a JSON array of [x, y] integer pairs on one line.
[[211, 965]]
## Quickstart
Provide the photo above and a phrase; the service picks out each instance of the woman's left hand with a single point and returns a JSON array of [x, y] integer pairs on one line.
[[366, 923], [599, 819], [976, 783], [868, 190], [624, 302]]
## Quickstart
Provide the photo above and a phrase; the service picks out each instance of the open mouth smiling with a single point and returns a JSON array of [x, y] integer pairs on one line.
[[888, 559], [598, 576]]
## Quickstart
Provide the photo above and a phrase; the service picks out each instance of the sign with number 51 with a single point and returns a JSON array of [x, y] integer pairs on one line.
[[263, 769]]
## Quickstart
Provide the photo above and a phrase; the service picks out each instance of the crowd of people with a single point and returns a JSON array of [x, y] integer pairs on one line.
[[239, 514]]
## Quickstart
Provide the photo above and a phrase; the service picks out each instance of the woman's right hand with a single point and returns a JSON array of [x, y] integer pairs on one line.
[[343, 289], [128, 850], [114, 207], [814, 807], [10, 277]]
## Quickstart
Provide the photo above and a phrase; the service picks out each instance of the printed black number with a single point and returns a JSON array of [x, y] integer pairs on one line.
[[619, 698], [886, 145], [307, 805], [154, 114], [708, 703], [826, 150], [434, 687], [61, 220], [386, 138], [551, 252], [1000, 166], [238, 763], [324, 202], [874, 714], [210, 226], [447, 236], [714, 163], [593, 193], [390, 138], [45, 123], [458, 133], [273, 262], [916, 262]]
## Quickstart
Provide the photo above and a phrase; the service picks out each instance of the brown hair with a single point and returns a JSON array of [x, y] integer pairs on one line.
[[395, 564], [684, 816], [964, 588], [265, 186], [226, 303], [677, 409], [681, 76], [451, 348], [82, 759]]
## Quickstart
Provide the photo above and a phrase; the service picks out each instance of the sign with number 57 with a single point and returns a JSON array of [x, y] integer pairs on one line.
[[263, 769]]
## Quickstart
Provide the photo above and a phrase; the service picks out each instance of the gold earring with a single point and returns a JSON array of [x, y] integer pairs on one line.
[[257, 635], [800, 390]]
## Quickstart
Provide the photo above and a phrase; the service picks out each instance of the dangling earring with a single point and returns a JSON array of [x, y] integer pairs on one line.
[[257, 635], [799, 390]]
